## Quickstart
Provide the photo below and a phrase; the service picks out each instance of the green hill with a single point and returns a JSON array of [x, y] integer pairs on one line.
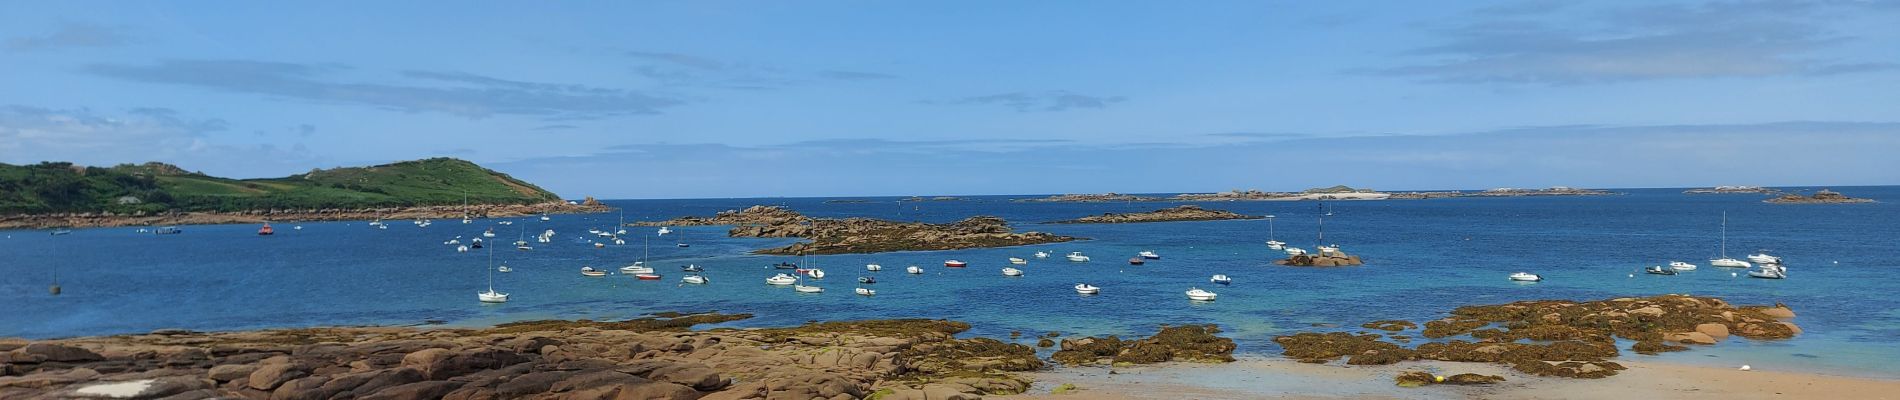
[[156, 187]]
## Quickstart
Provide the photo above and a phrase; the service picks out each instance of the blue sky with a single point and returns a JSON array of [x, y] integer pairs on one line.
[[744, 99]]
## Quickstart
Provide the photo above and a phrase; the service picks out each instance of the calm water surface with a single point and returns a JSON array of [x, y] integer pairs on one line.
[[1423, 258]]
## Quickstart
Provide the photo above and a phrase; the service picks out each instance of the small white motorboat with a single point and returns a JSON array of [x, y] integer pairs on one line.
[[914, 270], [873, 267], [1526, 277], [807, 289], [1077, 257], [1084, 288], [1728, 263], [590, 271], [693, 279], [1198, 294], [488, 233], [492, 296], [781, 279], [453, 242], [1764, 258], [461, 249], [1012, 272], [1681, 266], [866, 292], [619, 241], [1149, 255], [1221, 279], [1018, 261], [815, 273], [1042, 254], [544, 217], [1295, 251], [504, 268], [638, 267], [1276, 245]]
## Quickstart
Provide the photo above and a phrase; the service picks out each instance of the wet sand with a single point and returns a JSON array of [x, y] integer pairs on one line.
[[1254, 378]]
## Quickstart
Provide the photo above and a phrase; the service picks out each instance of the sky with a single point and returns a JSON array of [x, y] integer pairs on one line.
[[695, 99]]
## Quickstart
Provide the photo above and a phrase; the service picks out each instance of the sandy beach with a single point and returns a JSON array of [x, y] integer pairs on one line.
[[1262, 377]]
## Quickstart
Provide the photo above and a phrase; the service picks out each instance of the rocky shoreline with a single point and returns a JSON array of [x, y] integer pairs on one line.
[[103, 220], [1550, 337], [1178, 213], [1823, 196], [656, 357], [862, 235]]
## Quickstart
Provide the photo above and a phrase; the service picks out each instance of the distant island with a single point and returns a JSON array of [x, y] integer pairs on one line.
[[1732, 190], [1821, 197], [862, 235], [1334, 193], [58, 194], [1181, 213]]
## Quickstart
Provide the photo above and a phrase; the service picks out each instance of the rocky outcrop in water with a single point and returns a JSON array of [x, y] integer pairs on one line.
[[864, 235], [108, 219], [1179, 213], [651, 358], [1732, 190], [1555, 337], [1821, 197], [1321, 259]]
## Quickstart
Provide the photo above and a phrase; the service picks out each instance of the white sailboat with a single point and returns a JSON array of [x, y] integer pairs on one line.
[[638, 267], [801, 287], [1725, 261], [492, 296], [1271, 242]]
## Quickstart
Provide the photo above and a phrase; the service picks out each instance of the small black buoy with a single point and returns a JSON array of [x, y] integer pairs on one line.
[[54, 290]]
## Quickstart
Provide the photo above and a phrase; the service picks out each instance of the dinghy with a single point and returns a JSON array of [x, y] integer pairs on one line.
[[1084, 288], [1526, 277]]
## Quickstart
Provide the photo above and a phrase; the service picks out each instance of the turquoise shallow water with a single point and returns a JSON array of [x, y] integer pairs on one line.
[[1423, 258]]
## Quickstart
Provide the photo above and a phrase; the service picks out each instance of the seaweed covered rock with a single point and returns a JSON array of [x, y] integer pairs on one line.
[[1420, 378], [1324, 347], [1390, 325], [1193, 343]]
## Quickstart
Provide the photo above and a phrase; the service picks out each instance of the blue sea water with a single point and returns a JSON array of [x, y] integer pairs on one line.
[[1423, 258]]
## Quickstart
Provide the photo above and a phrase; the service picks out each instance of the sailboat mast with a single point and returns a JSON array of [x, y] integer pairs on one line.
[[1322, 225], [491, 269], [1725, 234]]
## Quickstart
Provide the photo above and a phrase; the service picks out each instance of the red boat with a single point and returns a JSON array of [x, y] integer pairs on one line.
[[648, 277], [954, 264], [1136, 261], [265, 231]]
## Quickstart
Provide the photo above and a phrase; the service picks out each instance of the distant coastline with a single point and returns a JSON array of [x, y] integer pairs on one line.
[[106, 220], [1335, 193]]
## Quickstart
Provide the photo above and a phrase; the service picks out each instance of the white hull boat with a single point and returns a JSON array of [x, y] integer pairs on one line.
[[1526, 277], [1681, 266], [808, 289], [1221, 279], [1770, 271], [815, 273], [504, 268], [1018, 261], [1042, 254], [914, 270], [781, 280], [1276, 245], [1149, 255], [492, 296], [1764, 258], [693, 279], [1728, 263], [636, 268], [1012, 272], [873, 267], [1077, 257], [1328, 249], [591, 272], [1198, 294], [1084, 288], [1294, 251], [865, 292]]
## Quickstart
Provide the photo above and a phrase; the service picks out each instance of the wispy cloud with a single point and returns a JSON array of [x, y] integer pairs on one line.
[[1548, 43], [456, 93], [90, 137], [696, 71], [71, 34], [1058, 100], [854, 75]]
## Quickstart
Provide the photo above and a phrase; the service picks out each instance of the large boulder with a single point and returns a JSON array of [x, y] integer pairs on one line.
[[1714, 330], [60, 353], [429, 390], [230, 372], [268, 376]]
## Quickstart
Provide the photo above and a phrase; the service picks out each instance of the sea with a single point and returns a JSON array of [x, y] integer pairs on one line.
[[1422, 259]]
